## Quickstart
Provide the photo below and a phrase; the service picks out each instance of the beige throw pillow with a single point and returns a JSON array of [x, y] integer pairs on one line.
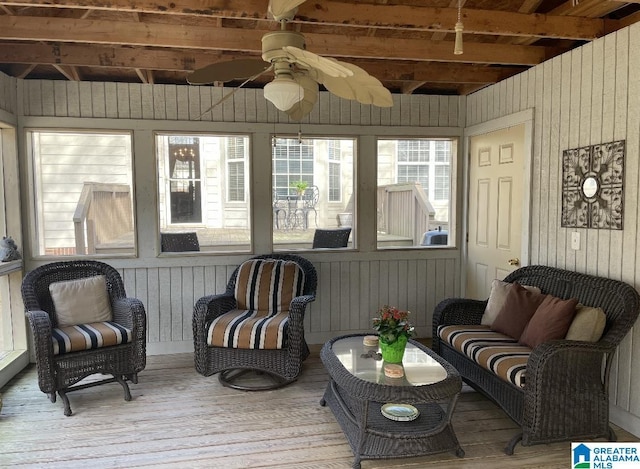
[[81, 301], [497, 297], [587, 325]]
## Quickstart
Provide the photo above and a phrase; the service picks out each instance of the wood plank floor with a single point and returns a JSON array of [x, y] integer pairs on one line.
[[178, 418]]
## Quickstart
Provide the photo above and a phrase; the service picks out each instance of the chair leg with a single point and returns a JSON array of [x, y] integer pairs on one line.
[[512, 444], [123, 382], [65, 401]]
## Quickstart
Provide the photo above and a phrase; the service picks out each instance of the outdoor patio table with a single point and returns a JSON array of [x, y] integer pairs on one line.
[[358, 389]]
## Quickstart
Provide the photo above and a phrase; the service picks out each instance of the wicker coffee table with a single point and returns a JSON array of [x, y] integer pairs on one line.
[[358, 388]]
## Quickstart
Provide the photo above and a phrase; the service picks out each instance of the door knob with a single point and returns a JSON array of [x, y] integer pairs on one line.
[[515, 261]]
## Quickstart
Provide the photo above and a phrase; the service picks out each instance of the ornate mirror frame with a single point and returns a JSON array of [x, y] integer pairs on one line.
[[592, 186]]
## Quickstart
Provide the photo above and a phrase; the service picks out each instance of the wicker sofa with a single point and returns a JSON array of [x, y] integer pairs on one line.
[[565, 394]]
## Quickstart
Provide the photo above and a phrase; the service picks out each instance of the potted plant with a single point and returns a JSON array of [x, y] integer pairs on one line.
[[394, 330], [300, 187]]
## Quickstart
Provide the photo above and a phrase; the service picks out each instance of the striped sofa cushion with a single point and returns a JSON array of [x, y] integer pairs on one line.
[[89, 336], [493, 351], [249, 329], [268, 285]]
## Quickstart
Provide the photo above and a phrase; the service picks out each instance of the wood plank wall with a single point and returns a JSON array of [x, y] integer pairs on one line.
[[8, 94], [188, 103], [587, 96], [352, 285]]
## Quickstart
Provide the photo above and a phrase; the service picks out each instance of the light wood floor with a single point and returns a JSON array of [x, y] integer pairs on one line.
[[178, 418]]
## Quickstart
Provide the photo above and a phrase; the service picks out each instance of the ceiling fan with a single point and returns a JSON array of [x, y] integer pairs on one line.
[[297, 71]]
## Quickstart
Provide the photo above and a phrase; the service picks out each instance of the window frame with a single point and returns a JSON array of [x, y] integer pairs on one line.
[[223, 200], [454, 142], [36, 233]]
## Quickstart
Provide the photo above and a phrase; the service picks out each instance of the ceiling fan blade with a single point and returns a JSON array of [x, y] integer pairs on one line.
[[309, 60], [228, 95], [299, 110], [227, 71], [360, 87], [280, 8]]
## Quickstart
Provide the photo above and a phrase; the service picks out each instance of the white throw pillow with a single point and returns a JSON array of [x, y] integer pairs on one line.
[[497, 297], [81, 301], [588, 324]]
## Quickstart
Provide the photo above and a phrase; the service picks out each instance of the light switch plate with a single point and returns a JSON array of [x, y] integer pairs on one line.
[[575, 240]]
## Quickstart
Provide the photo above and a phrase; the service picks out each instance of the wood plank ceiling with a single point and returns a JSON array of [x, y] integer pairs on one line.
[[407, 44]]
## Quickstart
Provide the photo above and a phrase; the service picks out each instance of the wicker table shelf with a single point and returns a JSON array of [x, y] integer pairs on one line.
[[358, 388]]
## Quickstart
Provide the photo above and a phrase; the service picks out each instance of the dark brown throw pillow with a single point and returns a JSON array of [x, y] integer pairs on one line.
[[517, 310], [551, 321]]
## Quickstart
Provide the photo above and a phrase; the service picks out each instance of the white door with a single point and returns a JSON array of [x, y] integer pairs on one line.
[[495, 224]]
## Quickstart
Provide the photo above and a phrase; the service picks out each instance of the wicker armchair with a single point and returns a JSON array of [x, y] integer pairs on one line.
[[179, 242], [217, 351], [338, 238], [59, 371], [565, 397]]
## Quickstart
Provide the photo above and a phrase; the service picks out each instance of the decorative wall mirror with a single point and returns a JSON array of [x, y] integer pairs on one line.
[[592, 186]]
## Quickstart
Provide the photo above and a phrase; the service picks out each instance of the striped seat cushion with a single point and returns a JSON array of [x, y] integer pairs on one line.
[[493, 351], [89, 336], [268, 285], [249, 329]]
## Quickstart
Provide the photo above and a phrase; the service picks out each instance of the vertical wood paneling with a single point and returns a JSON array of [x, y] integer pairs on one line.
[[587, 96], [594, 77], [555, 243], [111, 100], [544, 162], [8, 93], [60, 98]]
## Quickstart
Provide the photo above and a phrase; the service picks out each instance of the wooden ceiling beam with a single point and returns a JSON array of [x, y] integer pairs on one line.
[[70, 72], [586, 8], [410, 86], [146, 76], [22, 70], [351, 16], [25, 28], [440, 35], [75, 55]]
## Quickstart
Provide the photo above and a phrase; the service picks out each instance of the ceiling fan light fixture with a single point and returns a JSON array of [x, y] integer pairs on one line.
[[284, 92]]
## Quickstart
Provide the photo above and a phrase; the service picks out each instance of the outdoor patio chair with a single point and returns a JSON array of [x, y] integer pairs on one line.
[[336, 238], [310, 200], [83, 324], [179, 242], [253, 326]]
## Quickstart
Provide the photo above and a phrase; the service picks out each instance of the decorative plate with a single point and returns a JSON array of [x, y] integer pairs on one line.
[[400, 412]]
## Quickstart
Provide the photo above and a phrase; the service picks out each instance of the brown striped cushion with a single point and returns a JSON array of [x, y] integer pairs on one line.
[[493, 351], [248, 329], [268, 285], [88, 336]]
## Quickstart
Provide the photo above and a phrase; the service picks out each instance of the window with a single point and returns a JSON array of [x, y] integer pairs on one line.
[[292, 162], [235, 168], [335, 189], [414, 191], [203, 191], [312, 191], [82, 192]]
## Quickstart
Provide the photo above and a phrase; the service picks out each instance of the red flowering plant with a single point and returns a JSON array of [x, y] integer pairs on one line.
[[391, 323]]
